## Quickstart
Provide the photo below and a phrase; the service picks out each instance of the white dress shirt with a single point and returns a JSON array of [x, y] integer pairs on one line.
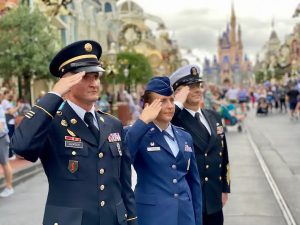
[[202, 117], [81, 112]]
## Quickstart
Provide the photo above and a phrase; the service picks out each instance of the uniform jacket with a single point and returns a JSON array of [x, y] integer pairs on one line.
[[168, 190], [89, 180], [212, 157]]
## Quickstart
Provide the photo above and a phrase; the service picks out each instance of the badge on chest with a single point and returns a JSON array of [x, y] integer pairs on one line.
[[73, 142], [114, 137], [153, 148]]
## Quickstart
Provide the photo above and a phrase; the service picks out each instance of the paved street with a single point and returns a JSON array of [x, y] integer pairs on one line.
[[251, 201], [278, 139]]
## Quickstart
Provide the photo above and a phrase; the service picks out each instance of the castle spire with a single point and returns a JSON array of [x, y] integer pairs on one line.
[[232, 17], [233, 26]]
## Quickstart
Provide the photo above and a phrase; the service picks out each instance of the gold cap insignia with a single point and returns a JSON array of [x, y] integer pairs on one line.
[[64, 123], [152, 144], [73, 121], [59, 113], [71, 133], [194, 71], [88, 47]]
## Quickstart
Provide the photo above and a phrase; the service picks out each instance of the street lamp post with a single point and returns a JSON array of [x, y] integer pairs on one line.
[[126, 73], [112, 71]]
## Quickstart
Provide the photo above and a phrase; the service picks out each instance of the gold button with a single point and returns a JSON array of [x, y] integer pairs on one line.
[[73, 153], [101, 171], [220, 153], [55, 223], [205, 154], [102, 203], [206, 178], [174, 166], [220, 178], [102, 187], [100, 155], [220, 165], [207, 166], [125, 215], [176, 195], [174, 181]]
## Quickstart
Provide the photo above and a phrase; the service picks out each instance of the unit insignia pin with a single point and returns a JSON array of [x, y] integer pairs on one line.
[[64, 123], [73, 121]]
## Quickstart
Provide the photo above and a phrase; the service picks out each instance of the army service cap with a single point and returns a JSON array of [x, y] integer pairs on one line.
[[79, 56], [160, 85], [185, 75]]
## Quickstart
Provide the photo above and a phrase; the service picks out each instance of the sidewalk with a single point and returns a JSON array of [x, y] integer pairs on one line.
[[22, 170]]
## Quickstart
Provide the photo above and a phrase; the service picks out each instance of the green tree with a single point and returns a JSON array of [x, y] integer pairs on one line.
[[133, 69], [259, 77], [27, 43]]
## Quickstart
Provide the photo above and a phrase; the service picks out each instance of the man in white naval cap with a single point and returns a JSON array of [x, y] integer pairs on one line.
[[209, 141]]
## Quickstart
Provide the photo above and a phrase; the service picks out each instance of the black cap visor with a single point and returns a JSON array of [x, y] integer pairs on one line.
[[187, 81], [89, 69]]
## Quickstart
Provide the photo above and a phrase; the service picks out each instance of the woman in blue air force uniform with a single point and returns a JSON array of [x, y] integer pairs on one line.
[[168, 190]]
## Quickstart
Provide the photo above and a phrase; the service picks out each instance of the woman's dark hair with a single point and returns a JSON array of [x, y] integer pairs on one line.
[[146, 98]]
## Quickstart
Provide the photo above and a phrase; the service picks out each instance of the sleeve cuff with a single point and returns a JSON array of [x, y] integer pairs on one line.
[[179, 104]]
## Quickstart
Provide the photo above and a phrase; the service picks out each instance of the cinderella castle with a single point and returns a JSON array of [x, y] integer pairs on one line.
[[230, 64]]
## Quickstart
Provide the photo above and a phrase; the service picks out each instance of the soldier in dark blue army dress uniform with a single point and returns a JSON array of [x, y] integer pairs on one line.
[[81, 150], [168, 190], [210, 146]]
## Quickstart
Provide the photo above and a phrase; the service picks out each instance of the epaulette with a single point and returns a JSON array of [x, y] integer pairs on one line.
[[105, 113], [179, 127]]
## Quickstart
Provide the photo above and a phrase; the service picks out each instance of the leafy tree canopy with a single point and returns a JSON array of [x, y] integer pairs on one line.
[[27, 43], [132, 68]]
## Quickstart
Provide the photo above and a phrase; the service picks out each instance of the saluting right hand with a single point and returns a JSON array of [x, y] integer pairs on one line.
[[66, 82], [181, 94], [150, 112]]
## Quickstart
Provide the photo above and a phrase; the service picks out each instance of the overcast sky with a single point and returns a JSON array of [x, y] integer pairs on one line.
[[197, 23]]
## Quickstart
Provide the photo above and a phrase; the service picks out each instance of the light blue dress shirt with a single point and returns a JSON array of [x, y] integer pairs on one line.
[[172, 144]]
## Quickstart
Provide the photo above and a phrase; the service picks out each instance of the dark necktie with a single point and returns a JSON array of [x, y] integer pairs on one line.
[[89, 119], [204, 129], [165, 133]]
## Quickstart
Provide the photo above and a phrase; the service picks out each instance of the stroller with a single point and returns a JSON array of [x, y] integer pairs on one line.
[[230, 119], [262, 106]]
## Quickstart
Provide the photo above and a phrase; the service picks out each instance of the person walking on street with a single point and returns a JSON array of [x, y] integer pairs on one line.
[[4, 152], [82, 150], [292, 95], [168, 190], [209, 140]]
